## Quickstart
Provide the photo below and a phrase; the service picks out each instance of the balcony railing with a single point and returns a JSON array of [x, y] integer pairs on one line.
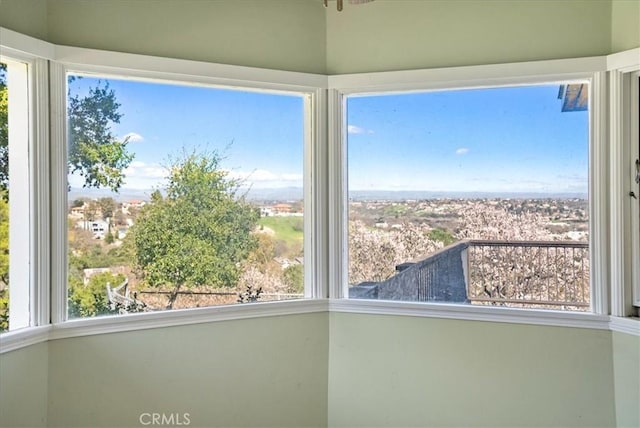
[[533, 274], [552, 275]]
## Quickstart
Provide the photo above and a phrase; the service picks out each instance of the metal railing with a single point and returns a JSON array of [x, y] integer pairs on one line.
[[544, 274], [529, 274]]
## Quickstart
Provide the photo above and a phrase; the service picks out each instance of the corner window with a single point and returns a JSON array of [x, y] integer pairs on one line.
[[15, 287], [634, 149], [475, 196], [182, 196]]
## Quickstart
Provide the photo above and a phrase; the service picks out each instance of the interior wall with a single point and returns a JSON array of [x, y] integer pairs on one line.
[[626, 363], [276, 34], [25, 16], [625, 25], [409, 371], [23, 387], [406, 34], [267, 372]]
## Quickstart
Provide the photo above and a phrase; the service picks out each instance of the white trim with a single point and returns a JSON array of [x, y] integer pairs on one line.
[[13, 340], [315, 219], [632, 129], [624, 61], [471, 313], [14, 43], [470, 76], [625, 325], [598, 195], [337, 183], [134, 66], [177, 317], [20, 119], [58, 192], [40, 202]]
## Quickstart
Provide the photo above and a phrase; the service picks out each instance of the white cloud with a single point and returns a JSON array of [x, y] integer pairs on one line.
[[143, 176], [462, 151], [133, 137], [264, 178], [353, 129]]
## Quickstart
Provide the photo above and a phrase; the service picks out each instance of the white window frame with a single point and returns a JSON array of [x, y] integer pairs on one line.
[[624, 72], [153, 69], [29, 188], [504, 75], [325, 174]]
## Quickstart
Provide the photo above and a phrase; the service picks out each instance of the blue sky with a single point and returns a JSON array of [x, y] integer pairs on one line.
[[485, 140], [259, 135]]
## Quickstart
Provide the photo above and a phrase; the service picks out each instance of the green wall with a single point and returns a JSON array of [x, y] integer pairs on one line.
[[277, 34], [625, 25], [257, 372], [626, 363], [25, 16], [404, 371], [407, 34], [23, 387]]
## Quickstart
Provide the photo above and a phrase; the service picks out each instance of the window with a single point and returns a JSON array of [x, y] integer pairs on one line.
[[182, 196], [634, 145], [471, 196], [15, 288]]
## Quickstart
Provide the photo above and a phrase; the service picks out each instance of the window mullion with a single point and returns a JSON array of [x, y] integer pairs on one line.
[[338, 265], [599, 196], [39, 167], [58, 192]]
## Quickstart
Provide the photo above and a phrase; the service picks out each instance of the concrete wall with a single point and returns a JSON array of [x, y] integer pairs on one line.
[[402, 371], [268, 372], [626, 364], [23, 387], [625, 25], [407, 34]]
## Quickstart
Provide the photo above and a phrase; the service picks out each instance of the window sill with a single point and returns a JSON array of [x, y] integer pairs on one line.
[[113, 324], [17, 339], [629, 325], [14, 340], [472, 313]]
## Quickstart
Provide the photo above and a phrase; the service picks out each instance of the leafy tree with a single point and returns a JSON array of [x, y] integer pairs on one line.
[[94, 151], [294, 278], [107, 207], [77, 203], [4, 129], [91, 300], [4, 263], [199, 233]]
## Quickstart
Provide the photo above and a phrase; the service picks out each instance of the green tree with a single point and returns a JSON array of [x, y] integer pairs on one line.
[[4, 129], [91, 299], [94, 151], [294, 278], [199, 233], [4, 263], [107, 207]]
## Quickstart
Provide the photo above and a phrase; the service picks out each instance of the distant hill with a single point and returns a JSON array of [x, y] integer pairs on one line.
[[296, 194]]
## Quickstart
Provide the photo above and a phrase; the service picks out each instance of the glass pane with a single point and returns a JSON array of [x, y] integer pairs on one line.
[[4, 199], [471, 196], [182, 196], [15, 287]]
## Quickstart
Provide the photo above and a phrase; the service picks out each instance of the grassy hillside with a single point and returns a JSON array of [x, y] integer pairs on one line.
[[286, 230]]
